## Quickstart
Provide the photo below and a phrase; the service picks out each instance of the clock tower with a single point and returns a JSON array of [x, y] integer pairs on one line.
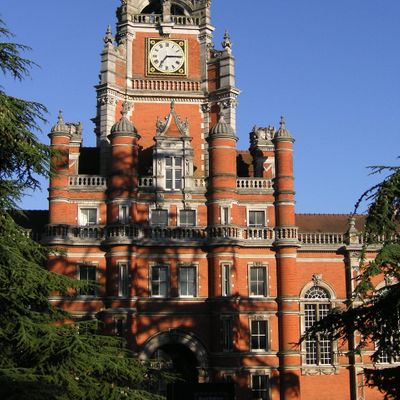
[[162, 52]]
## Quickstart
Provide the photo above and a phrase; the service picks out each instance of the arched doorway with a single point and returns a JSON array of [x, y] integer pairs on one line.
[[178, 352]]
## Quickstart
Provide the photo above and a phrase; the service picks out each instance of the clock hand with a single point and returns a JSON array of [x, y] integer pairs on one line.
[[162, 61]]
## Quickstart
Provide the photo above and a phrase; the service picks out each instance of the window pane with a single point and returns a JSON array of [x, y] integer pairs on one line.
[[88, 273], [187, 281], [260, 387], [123, 285], [257, 281], [88, 216], [159, 217], [256, 218], [258, 340], [159, 280], [187, 218]]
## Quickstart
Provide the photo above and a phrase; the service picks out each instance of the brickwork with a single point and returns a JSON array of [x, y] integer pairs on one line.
[[188, 252]]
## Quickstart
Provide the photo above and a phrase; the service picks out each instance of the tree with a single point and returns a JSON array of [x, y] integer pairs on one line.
[[374, 314], [44, 354]]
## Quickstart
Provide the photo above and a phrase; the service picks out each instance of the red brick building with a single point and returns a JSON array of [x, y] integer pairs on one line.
[[201, 262]]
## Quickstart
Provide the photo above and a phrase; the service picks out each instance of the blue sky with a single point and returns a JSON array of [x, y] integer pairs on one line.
[[330, 67]]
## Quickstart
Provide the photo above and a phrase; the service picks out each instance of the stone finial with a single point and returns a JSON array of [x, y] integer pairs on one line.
[[226, 43], [108, 38], [282, 132], [352, 234], [124, 125], [60, 125], [173, 105]]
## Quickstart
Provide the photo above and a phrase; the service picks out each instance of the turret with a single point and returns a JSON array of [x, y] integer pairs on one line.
[[65, 141], [286, 245], [222, 176], [124, 157]]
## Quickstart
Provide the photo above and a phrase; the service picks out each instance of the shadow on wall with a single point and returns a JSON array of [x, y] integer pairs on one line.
[[288, 384]]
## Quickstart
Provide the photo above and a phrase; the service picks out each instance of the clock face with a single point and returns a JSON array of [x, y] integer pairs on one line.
[[166, 57]]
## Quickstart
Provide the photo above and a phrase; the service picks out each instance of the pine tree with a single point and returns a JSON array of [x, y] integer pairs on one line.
[[374, 314], [44, 354]]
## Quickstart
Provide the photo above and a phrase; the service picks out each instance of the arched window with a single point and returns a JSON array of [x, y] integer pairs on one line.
[[155, 7], [317, 306]]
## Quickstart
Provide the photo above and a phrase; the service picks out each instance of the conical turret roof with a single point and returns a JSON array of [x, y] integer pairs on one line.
[[222, 129], [124, 125]]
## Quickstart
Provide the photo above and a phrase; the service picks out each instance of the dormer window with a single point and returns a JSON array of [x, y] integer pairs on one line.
[[173, 173]]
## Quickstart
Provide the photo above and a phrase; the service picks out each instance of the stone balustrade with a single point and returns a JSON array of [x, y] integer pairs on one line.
[[164, 85], [158, 18], [321, 238], [121, 232], [146, 182], [87, 182], [200, 183], [286, 233], [253, 184], [259, 233], [224, 232]]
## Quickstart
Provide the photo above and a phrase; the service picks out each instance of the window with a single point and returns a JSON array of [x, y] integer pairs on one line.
[[187, 281], [258, 335], [225, 215], [87, 273], [173, 173], [159, 280], [123, 279], [227, 334], [124, 214], [226, 279], [87, 216], [159, 217], [256, 218], [187, 218], [317, 306], [260, 387], [258, 281]]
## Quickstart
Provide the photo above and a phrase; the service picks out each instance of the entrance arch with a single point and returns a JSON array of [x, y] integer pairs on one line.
[[187, 354]]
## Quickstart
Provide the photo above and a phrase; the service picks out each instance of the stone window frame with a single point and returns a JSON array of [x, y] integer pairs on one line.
[[167, 282], [159, 209], [260, 373], [120, 286], [257, 209], [257, 265], [315, 369], [95, 265], [224, 286], [227, 335], [228, 216], [260, 318], [178, 219], [389, 361], [174, 169], [127, 218], [180, 267], [87, 207]]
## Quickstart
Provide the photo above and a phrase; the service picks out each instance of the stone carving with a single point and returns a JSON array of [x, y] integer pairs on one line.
[[261, 136], [206, 108], [227, 44], [317, 279], [162, 125], [108, 38]]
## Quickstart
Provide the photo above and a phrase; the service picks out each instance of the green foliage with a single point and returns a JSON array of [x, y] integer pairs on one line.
[[374, 314], [43, 353]]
